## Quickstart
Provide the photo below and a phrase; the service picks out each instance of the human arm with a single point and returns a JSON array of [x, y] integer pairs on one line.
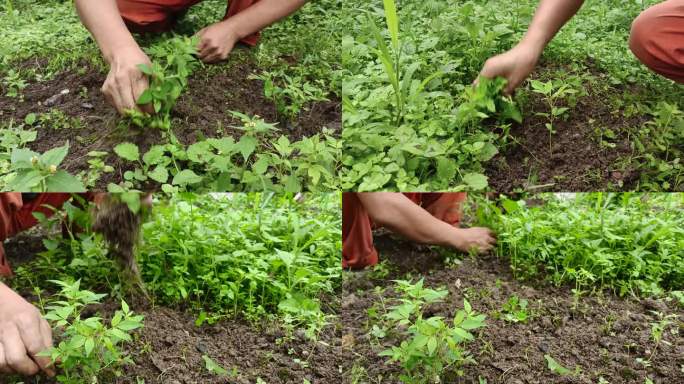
[[23, 334], [218, 40], [125, 82], [399, 214], [517, 63]]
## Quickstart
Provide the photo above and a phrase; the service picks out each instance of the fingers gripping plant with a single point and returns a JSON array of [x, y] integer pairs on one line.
[[89, 348], [167, 81]]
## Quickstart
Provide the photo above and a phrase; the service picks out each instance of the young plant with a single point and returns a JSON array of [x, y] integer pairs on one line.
[[89, 348], [430, 347], [515, 310], [39, 173], [167, 81], [553, 94], [14, 83], [290, 98]]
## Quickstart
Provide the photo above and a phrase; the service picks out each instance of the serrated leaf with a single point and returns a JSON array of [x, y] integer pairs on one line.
[[127, 151]]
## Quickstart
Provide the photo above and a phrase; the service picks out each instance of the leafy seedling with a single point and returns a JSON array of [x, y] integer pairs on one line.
[[515, 310], [89, 348], [40, 173]]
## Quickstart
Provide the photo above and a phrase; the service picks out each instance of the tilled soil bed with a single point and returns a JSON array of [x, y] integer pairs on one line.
[[604, 335], [577, 157], [83, 117]]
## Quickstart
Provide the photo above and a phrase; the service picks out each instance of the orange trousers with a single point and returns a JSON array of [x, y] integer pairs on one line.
[[657, 39], [16, 215], [160, 15], [357, 227]]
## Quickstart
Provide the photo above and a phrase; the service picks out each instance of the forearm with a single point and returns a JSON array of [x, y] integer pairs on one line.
[[103, 20], [399, 214], [550, 16], [261, 15]]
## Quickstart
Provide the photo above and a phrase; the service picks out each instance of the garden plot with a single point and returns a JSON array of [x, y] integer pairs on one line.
[[268, 118], [220, 309], [590, 118], [521, 328]]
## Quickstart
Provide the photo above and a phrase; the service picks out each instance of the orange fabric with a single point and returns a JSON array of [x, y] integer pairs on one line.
[[15, 216], [160, 15], [657, 39], [357, 227]]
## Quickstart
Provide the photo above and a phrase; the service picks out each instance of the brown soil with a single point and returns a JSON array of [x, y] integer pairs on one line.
[[576, 160], [202, 111], [170, 347], [603, 336]]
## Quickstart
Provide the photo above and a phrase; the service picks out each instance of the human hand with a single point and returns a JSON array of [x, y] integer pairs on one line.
[[23, 335], [515, 65], [216, 42], [125, 82], [478, 239]]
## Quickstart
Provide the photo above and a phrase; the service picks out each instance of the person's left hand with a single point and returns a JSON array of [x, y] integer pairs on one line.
[[216, 42]]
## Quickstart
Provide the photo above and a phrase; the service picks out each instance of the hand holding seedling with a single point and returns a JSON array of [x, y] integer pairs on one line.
[[517, 64], [514, 65], [23, 335], [125, 81]]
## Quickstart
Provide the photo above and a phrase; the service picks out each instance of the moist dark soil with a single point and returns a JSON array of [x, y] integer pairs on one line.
[[603, 335], [577, 157], [202, 111], [170, 347]]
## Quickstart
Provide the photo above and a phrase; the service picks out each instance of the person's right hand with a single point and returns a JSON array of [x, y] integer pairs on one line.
[[515, 65], [478, 239], [125, 82], [23, 334]]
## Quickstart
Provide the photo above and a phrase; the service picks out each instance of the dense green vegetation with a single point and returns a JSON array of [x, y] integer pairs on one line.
[[412, 122]]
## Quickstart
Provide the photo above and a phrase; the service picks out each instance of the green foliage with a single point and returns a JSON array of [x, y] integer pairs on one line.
[[88, 348], [36, 172], [556, 367], [430, 347], [167, 80], [292, 96], [515, 310], [629, 243], [226, 165], [405, 126]]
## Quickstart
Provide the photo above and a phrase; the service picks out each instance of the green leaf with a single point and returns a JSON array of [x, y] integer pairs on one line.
[[159, 174], [555, 367], [185, 177], [88, 346], [246, 146], [25, 181], [55, 155], [127, 151], [145, 97], [213, 366], [475, 181], [62, 181]]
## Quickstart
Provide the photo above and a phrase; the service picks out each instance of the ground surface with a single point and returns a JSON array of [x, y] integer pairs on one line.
[[604, 336], [169, 348], [90, 124]]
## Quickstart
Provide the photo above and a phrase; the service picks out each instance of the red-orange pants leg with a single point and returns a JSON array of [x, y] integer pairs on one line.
[[160, 15], [357, 235], [17, 216], [657, 39]]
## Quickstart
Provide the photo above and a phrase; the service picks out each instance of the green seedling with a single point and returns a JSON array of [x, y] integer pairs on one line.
[[36, 172], [290, 98], [431, 346], [553, 93], [89, 348], [657, 329], [216, 368], [14, 83], [167, 81], [558, 369], [515, 310]]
